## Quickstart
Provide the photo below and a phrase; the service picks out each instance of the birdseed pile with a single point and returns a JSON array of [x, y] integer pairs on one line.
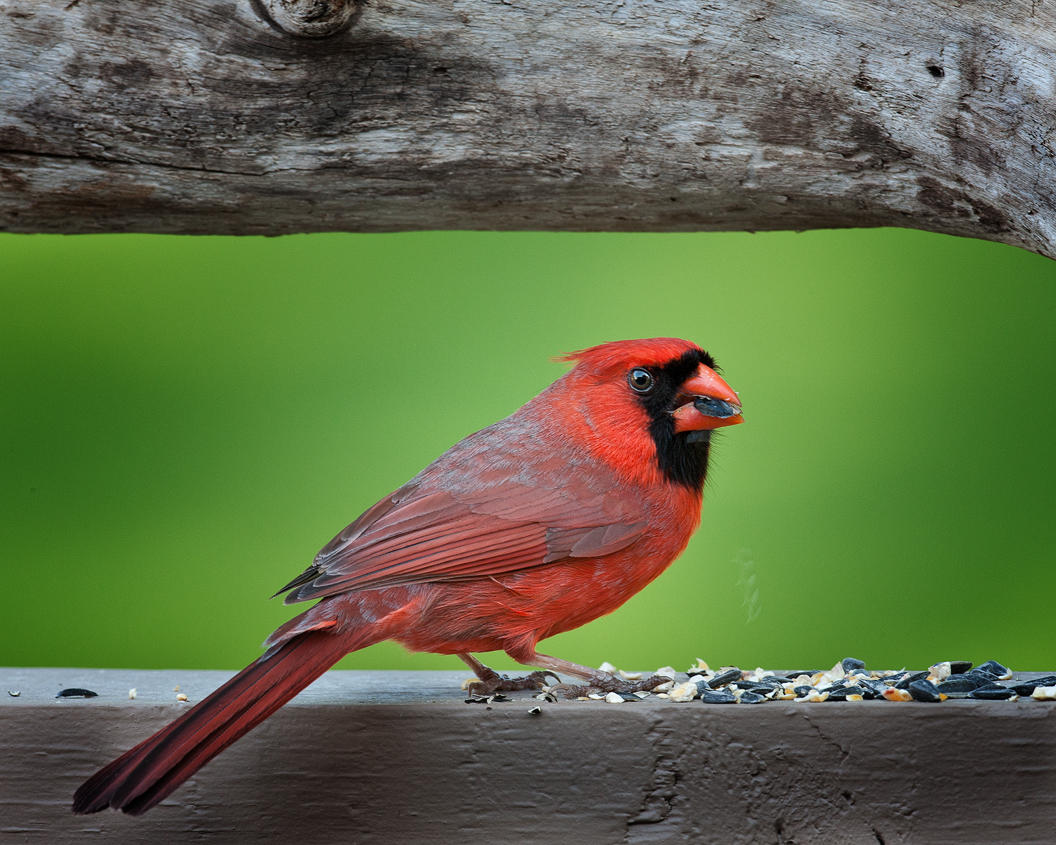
[[848, 680]]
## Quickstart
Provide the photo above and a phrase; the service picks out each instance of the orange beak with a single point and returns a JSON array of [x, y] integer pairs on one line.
[[706, 402]]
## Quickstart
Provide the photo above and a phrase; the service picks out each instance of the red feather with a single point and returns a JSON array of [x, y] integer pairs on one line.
[[505, 499], [535, 525]]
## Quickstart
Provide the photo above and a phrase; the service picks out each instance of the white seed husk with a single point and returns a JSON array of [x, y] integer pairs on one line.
[[684, 692], [939, 672]]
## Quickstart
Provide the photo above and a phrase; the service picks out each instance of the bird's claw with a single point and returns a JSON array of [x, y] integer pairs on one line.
[[602, 684], [501, 683]]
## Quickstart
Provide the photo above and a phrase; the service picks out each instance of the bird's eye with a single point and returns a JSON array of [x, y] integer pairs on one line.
[[640, 380]]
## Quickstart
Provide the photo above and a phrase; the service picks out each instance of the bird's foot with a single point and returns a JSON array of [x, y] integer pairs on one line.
[[492, 682], [602, 683]]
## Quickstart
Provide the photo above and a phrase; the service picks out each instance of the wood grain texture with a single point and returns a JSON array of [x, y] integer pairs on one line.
[[383, 757], [672, 115]]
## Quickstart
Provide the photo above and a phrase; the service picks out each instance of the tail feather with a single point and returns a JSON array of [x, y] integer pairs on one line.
[[148, 773]]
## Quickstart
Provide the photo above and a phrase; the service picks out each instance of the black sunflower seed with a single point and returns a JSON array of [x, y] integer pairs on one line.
[[874, 688], [756, 686], [993, 666], [723, 678], [850, 664], [76, 692], [995, 692], [1027, 687], [718, 697], [841, 693], [962, 683], [910, 678], [924, 690]]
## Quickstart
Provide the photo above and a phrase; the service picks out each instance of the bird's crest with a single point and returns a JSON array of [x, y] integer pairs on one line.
[[655, 351]]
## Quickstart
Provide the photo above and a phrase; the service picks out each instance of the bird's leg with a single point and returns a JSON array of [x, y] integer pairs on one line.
[[597, 680], [491, 682]]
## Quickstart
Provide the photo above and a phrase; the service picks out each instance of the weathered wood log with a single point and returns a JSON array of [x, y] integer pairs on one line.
[[672, 115], [389, 757]]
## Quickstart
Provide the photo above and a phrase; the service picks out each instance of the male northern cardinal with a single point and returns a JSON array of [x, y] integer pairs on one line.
[[535, 525]]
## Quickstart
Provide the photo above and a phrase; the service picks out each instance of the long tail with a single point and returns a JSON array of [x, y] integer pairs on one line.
[[143, 776]]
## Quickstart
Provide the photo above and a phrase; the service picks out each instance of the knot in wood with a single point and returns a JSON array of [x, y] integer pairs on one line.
[[311, 18]]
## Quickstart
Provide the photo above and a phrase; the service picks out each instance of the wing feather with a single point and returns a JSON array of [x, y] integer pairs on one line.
[[498, 502]]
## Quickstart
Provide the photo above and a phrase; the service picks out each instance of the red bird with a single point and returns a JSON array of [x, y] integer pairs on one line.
[[535, 525]]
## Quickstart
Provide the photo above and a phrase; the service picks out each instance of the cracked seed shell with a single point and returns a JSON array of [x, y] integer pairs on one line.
[[1003, 673]]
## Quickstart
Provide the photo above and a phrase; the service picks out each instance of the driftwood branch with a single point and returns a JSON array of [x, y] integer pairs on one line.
[[672, 115]]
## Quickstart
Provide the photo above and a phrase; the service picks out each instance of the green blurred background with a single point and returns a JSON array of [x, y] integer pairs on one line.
[[185, 421]]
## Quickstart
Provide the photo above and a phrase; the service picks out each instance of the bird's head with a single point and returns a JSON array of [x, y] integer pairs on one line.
[[648, 407]]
